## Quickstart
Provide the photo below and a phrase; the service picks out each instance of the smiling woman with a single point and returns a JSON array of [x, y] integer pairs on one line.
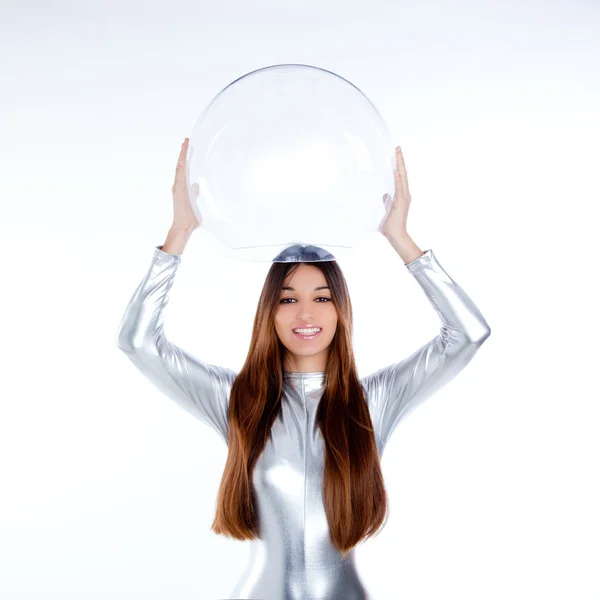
[[305, 435]]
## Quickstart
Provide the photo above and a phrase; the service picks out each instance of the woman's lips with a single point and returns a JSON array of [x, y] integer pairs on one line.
[[307, 337]]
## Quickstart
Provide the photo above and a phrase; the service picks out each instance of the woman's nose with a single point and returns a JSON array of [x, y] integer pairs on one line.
[[305, 316], [305, 313]]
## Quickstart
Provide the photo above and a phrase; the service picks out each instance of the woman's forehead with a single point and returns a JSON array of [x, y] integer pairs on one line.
[[305, 276]]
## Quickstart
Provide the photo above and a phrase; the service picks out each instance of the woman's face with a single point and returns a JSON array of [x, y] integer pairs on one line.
[[306, 306]]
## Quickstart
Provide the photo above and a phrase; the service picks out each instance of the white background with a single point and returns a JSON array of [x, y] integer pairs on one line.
[[108, 488]]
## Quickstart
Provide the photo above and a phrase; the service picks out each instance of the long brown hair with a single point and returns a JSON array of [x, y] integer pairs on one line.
[[354, 495]]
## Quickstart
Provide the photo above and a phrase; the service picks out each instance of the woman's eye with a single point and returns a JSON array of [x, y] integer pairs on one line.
[[321, 298]]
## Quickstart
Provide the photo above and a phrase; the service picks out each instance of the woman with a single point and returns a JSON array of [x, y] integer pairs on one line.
[[305, 435]]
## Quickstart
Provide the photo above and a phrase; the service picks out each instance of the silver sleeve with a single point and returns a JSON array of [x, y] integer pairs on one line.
[[395, 391], [199, 388]]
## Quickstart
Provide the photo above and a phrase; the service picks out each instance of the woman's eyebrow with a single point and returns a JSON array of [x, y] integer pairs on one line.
[[291, 289]]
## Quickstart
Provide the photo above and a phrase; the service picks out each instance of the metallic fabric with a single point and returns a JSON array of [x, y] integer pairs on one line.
[[294, 558]]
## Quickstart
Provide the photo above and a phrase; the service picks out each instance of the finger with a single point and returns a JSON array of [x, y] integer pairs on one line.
[[403, 174], [398, 184], [398, 177], [195, 189], [181, 162], [401, 171], [386, 198], [183, 152]]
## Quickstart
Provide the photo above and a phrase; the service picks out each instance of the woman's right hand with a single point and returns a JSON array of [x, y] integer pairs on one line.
[[186, 215]]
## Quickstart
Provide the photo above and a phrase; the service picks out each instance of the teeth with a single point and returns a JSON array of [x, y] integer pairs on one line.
[[307, 331]]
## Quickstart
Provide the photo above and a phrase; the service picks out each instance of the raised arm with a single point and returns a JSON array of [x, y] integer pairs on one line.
[[396, 390], [199, 388]]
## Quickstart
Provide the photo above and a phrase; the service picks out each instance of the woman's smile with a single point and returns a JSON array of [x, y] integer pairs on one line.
[[311, 336]]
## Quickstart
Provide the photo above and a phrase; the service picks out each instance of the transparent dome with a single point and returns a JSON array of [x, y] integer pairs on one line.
[[291, 154]]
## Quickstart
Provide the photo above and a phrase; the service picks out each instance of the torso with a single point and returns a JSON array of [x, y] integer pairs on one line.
[[294, 558]]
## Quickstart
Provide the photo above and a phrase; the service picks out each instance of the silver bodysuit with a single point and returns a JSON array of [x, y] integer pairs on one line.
[[294, 558]]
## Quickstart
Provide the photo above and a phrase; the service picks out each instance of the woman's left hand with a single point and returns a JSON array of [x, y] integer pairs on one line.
[[394, 223]]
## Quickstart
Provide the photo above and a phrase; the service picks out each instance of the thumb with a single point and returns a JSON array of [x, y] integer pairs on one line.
[[195, 191]]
